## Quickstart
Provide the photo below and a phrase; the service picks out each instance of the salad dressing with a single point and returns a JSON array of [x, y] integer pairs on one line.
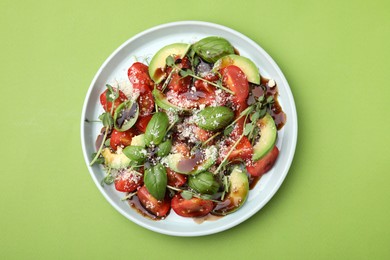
[[135, 203], [190, 164]]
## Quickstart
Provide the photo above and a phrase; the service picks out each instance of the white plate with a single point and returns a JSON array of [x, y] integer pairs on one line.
[[145, 45]]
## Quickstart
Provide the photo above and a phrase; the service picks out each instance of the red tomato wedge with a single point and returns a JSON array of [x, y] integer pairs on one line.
[[264, 164], [243, 151], [146, 103], [107, 105], [142, 123], [139, 76], [176, 179], [128, 181], [235, 79], [152, 205], [121, 138], [194, 207]]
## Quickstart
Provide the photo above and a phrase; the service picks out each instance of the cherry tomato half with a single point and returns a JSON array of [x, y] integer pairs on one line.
[[143, 122], [121, 138], [235, 79], [243, 150], [139, 76], [107, 105], [145, 103], [264, 164], [177, 82], [151, 204], [128, 181], [194, 207], [176, 179]]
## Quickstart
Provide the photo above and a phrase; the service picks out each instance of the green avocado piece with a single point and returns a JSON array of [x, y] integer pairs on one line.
[[162, 101], [245, 64], [173, 161], [268, 135], [116, 160], [238, 193], [158, 62], [138, 140]]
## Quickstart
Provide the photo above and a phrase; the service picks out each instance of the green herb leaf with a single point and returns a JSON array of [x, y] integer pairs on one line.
[[255, 116], [155, 180], [156, 129], [261, 98], [137, 154], [107, 119], [204, 183], [164, 148], [206, 197], [212, 48], [270, 99], [228, 130], [248, 129], [99, 160], [187, 195], [108, 180], [111, 95], [186, 72], [170, 61]]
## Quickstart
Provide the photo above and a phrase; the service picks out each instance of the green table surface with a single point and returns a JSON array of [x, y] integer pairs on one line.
[[335, 201]]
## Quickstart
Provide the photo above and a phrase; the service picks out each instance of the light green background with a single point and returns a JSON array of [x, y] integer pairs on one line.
[[335, 201]]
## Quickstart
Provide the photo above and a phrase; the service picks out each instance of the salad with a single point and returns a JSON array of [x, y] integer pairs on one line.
[[195, 133]]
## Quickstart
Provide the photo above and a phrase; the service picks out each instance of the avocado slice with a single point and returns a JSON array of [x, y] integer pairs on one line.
[[177, 162], [158, 62], [162, 101], [245, 64], [238, 193], [268, 135], [138, 140], [116, 160]]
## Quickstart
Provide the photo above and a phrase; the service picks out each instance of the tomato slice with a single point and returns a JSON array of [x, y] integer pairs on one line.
[[176, 179], [107, 105], [146, 103], [121, 138], [235, 79], [182, 148], [139, 76], [243, 151], [201, 134], [152, 205], [128, 181], [177, 82], [142, 123], [263, 165], [194, 207]]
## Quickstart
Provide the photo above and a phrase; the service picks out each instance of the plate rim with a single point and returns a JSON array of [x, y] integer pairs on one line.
[[293, 135]]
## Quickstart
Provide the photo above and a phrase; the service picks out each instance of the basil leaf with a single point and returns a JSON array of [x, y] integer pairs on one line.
[[155, 180], [203, 183], [164, 148], [212, 48], [125, 116], [137, 154], [156, 129]]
